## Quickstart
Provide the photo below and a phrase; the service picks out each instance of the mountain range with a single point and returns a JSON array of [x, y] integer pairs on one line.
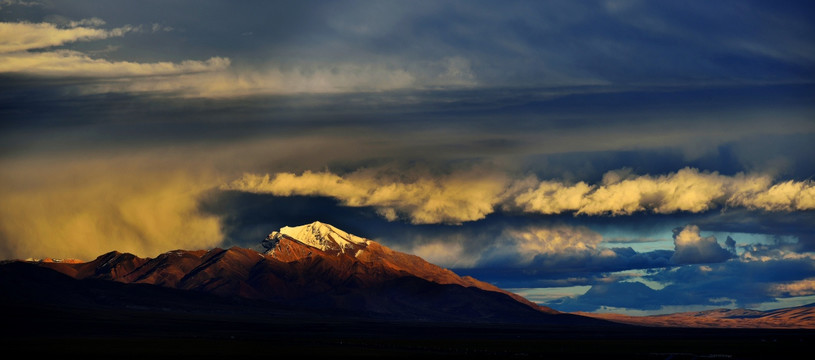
[[319, 266]]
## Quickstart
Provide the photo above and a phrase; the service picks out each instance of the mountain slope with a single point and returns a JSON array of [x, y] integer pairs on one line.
[[801, 317]]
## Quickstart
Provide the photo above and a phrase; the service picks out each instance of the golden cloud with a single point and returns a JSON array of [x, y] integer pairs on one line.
[[798, 288], [22, 36], [532, 241], [83, 209], [72, 63], [452, 198]]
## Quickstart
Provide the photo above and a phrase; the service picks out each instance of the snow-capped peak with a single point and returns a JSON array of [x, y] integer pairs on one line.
[[319, 235]]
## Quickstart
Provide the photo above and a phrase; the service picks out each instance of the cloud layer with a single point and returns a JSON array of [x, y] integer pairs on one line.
[[28, 48], [472, 195]]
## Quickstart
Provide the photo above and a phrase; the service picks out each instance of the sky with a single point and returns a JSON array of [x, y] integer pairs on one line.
[[640, 157]]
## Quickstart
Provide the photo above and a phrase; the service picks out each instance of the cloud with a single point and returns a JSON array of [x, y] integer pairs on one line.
[[80, 209], [779, 250], [451, 198], [555, 251], [723, 284], [19, 3], [525, 255], [472, 195], [61, 63], [557, 241], [796, 288], [551, 197], [687, 190], [275, 80], [93, 22], [786, 196], [446, 253], [627, 294], [22, 36], [560, 251], [730, 244], [692, 248]]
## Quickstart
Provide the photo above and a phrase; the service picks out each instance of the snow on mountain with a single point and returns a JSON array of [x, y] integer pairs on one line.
[[318, 235]]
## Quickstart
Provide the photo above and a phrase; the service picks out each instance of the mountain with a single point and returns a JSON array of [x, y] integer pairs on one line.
[[801, 317], [379, 261], [319, 266]]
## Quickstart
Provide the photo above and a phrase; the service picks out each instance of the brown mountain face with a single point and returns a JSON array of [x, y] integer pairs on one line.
[[326, 268], [373, 263]]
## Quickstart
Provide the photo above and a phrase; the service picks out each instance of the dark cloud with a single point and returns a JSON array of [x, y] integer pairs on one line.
[[630, 295], [798, 225], [692, 248], [569, 270], [730, 245], [743, 283]]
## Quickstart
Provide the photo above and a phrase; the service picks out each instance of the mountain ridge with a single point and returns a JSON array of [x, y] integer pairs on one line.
[[797, 317]]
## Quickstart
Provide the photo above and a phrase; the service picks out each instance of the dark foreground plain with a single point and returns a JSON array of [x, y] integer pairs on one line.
[[145, 333]]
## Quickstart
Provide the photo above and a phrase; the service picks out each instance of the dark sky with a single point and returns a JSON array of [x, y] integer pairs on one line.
[[630, 156]]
